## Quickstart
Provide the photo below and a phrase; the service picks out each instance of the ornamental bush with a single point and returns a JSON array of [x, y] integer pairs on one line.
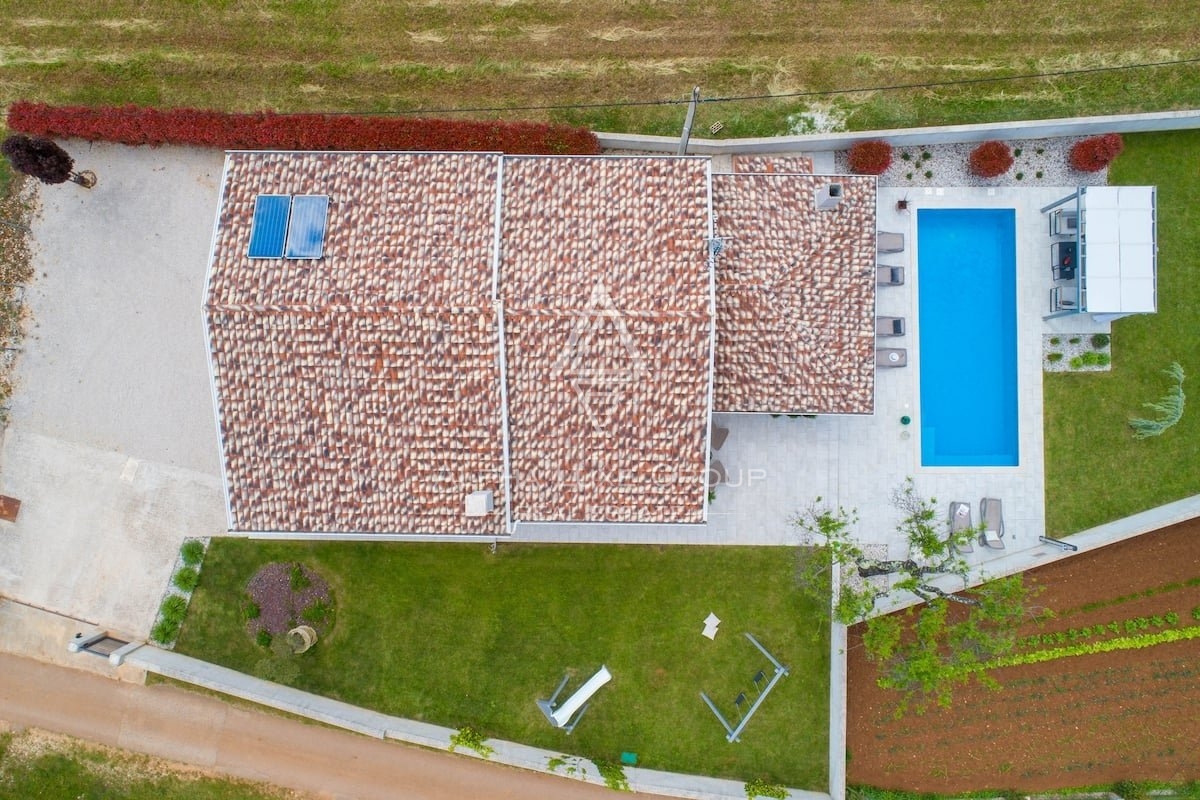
[[1097, 152], [266, 130], [186, 579], [173, 609], [990, 159], [192, 552], [871, 157]]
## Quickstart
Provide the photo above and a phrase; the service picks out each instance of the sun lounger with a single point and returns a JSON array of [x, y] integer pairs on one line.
[[1064, 297], [889, 326], [891, 357], [991, 512], [719, 434], [889, 276], [960, 520], [891, 242]]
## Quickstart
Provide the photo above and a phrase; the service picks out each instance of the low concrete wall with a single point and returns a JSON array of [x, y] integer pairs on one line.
[[945, 134], [381, 726], [837, 710], [1109, 533]]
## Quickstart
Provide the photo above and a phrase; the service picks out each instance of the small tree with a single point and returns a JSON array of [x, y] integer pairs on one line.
[[924, 651], [1096, 152], [1169, 408], [991, 159], [871, 157], [44, 160]]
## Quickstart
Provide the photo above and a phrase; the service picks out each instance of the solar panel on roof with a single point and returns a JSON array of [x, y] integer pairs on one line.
[[270, 225], [306, 232]]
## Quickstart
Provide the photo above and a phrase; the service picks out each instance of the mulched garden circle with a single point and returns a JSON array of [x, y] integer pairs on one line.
[[284, 592]]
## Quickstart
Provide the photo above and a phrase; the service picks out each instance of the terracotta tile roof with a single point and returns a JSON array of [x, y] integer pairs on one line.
[[802, 165], [360, 392], [795, 295], [606, 292]]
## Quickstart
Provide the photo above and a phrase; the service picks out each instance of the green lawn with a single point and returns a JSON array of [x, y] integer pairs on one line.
[[357, 55], [1095, 470], [456, 635], [34, 765]]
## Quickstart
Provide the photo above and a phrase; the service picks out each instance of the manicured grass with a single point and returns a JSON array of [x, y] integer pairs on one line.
[[357, 55], [64, 769], [456, 635], [1095, 470]]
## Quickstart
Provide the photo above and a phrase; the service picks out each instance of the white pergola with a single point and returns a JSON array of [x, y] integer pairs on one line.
[[1117, 247]]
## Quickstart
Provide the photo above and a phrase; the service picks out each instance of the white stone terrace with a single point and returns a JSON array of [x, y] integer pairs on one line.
[[779, 466]]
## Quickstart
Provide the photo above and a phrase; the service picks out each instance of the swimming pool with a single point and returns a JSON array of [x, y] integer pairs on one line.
[[967, 276]]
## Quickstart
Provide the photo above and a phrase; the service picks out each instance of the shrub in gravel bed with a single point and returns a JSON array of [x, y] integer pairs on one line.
[[991, 159], [186, 579], [1097, 152], [871, 157], [192, 552], [173, 609], [164, 631]]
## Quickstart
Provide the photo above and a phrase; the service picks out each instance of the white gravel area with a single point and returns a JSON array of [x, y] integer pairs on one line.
[[1072, 346], [1036, 162]]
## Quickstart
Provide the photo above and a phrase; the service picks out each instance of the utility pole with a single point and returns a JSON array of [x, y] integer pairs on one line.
[[687, 123]]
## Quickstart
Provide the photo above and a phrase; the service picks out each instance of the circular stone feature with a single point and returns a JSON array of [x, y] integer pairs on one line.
[[289, 594]]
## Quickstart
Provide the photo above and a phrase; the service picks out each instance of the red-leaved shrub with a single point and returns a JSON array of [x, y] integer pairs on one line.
[[991, 159], [871, 157], [1097, 152], [267, 130]]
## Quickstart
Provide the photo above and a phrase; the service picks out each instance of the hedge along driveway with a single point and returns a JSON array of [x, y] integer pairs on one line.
[[267, 131], [456, 635]]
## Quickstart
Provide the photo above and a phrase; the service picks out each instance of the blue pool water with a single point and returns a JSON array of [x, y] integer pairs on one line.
[[967, 278]]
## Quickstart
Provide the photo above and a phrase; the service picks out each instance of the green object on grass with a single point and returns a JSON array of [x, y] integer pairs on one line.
[[629, 759]]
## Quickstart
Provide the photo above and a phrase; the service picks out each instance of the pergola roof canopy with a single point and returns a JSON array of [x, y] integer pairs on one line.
[[1118, 249]]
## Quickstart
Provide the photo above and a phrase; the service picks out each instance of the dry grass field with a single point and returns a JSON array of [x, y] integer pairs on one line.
[[366, 55]]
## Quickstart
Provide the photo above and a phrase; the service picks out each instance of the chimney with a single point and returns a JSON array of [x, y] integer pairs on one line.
[[829, 197], [481, 503]]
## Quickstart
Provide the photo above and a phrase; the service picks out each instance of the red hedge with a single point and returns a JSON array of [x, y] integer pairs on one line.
[[266, 130], [870, 157], [991, 159], [1097, 152]]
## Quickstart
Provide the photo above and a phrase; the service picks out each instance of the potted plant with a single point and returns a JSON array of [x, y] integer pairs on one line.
[[902, 204]]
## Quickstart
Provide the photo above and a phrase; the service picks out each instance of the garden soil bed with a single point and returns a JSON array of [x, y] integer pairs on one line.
[[1080, 721]]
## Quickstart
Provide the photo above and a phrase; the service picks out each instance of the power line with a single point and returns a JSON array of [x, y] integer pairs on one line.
[[960, 82], [814, 93]]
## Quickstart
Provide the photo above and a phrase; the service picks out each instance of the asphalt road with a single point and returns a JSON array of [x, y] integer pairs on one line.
[[182, 726]]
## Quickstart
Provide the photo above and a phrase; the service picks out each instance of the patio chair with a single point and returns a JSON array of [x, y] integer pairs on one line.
[[992, 514], [890, 242], [891, 357], [889, 326], [960, 520], [1064, 297], [889, 276]]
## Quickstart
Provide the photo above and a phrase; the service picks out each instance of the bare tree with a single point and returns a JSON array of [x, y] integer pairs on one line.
[[43, 159], [924, 651]]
